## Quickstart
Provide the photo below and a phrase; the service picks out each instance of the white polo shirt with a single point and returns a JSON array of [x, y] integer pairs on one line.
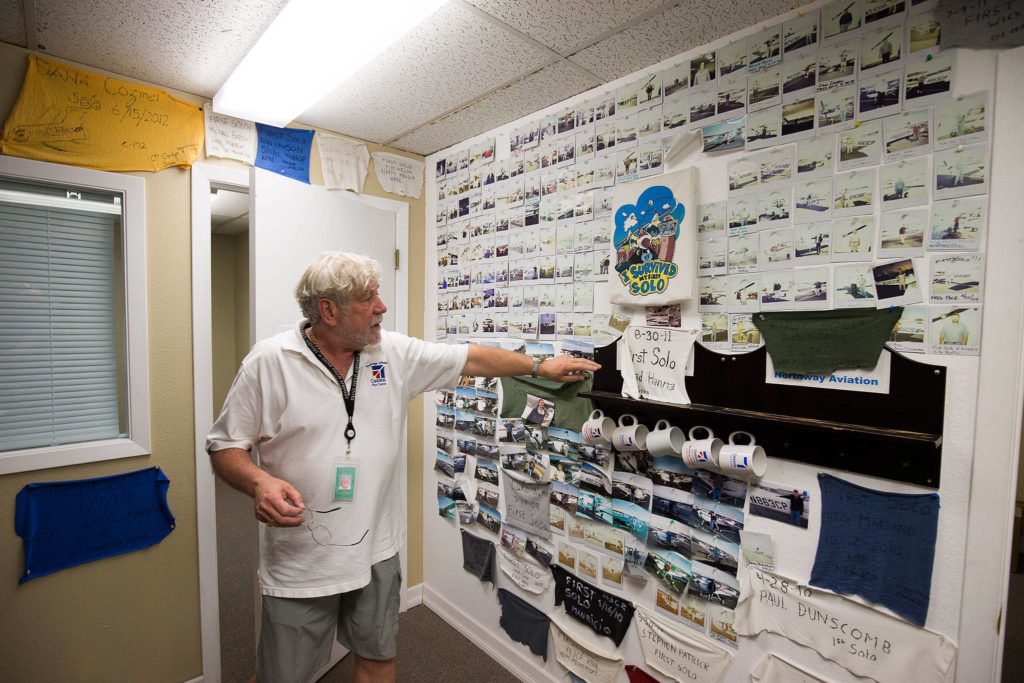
[[288, 406]]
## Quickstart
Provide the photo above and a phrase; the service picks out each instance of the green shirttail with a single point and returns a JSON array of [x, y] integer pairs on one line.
[[570, 410], [820, 342]]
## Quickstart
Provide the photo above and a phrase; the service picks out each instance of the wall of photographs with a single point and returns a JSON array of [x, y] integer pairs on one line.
[[843, 162]]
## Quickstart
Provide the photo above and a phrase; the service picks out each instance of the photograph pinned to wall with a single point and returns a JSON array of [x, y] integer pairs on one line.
[[840, 17], [910, 333], [667, 601], [814, 157], [812, 200], [955, 330], [797, 118], [446, 508], [774, 208], [611, 571], [881, 47], [604, 132], [903, 233], [764, 48], [675, 79], [702, 69], [665, 470], [743, 175], [669, 315], [567, 555], [714, 331], [923, 31], [731, 100], [649, 90], [878, 94], [669, 567], [904, 183], [775, 249], [649, 122], [780, 503], [777, 290], [799, 32], [800, 73], [743, 334], [626, 130], [835, 108], [675, 113], [837, 65], [702, 106], [957, 278], [776, 166], [547, 326], [732, 59], [854, 286], [742, 253], [711, 257], [957, 224], [762, 128], [711, 293], [961, 171], [896, 284], [853, 192], [585, 145], [928, 78], [811, 288], [742, 215], [711, 216], [758, 550], [878, 10], [812, 243], [556, 520], [962, 121], [908, 134], [854, 238], [582, 297], [860, 146], [742, 292], [764, 88], [723, 137]]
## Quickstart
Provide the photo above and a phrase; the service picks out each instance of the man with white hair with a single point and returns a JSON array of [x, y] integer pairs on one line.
[[326, 480]]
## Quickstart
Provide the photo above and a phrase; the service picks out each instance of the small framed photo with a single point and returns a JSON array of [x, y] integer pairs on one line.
[[957, 278], [961, 171], [675, 113], [724, 136], [877, 10], [743, 292], [923, 32], [853, 192], [958, 224], [702, 106], [956, 330], [837, 64], [904, 183], [812, 243], [712, 293], [702, 69], [903, 233], [962, 121], [742, 215], [860, 146], [731, 99], [743, 334], [896, 284], [649, 91], [714, 330], [711, 257]]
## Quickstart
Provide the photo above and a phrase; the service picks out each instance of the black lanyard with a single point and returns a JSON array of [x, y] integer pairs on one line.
[[348, 395]]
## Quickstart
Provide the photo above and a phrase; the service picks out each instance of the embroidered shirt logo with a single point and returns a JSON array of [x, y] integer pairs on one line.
[[378, 378]]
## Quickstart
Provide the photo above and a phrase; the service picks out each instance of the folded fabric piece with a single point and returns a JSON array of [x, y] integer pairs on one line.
[[607, 614], [678, 652], [638, 675], [581, 658], [776, 669], [825, 341], [570, 410], [526, 506], [527, 576], [478, 556], [524, 623]]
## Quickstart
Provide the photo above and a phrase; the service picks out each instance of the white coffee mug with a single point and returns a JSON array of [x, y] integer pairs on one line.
[[701, 452], [665, 439], [598, 428], [630, 435], [742, 459]]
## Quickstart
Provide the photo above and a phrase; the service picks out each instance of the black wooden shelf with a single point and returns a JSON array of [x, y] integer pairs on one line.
[[895, 436]]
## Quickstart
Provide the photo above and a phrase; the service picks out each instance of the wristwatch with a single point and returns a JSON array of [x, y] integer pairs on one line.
[[536, 366]]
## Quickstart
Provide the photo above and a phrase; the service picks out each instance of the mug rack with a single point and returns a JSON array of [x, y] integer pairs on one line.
[[895, 436]]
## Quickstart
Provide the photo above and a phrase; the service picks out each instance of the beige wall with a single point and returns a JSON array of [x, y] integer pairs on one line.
[[136, 616]]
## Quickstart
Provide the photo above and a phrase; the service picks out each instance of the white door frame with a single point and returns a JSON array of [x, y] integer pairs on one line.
[[203, 175]]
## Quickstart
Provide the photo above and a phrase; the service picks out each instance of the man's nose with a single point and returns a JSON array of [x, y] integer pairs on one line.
[[379, 308]]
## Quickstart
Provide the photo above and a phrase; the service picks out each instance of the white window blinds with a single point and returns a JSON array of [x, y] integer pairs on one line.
[[61, 320]]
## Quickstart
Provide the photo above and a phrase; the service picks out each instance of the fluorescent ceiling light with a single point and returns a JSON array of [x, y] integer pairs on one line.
[[311, 48]]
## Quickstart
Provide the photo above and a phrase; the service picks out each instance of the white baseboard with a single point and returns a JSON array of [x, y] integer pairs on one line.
[[412, 596], [502, 650], [196, 680]]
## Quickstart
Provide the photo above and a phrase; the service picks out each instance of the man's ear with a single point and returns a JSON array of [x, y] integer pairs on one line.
[[329, 311]]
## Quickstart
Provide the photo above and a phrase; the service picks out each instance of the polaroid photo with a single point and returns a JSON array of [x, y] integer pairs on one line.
[[961, 171], [777, 290], [743, 174], [579, 236], [711, 257], [723, 137], [904, 183], [853, 286], [837, 65], [566, 121], [776, 166], [743, 251], [774, 208], [881, 47], [530, 325], [547, 326], [764, 88], [731, 100], [928, 79], [582, 296], [714, 331], [814, 157], [878, 10], [955, 330], [583, 327], [764, 48], [743, 334], [878, 94], [797, 119], [711, 218], [669, 315], [811, 288], [702, 69], [667, 601], [762, 128], [957, 279], [732, 59], [611, 570], [586, 269], [649, 92], [775, 249], [585, 145], [743, 293], [800, 73], [799, 32], [853, 238], [908, 134], [910, 333], [675, 113], [650, 159], [566, 204], [962, 121], [812, 243], [626, 130], [840, 17], [564, 322], [853, 192], [563, 272], [604, 134], [812, 200], [702, 107], [711, 295], [902, 233], [742, 215], [923, 32], [583, 208], [649, 122], [835, 109], [627, 167], [675, 79], [896, 284], [860, 146]]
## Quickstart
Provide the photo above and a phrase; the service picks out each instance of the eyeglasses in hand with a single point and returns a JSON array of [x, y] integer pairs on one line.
[[322, 533]]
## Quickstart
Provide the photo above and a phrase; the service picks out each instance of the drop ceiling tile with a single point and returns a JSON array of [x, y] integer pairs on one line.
[[12, 22], [452, 59], [549, 85], [565, 26], [189, 45], [678, 30]]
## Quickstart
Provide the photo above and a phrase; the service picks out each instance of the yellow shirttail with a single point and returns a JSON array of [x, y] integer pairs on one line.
[[69, 116]]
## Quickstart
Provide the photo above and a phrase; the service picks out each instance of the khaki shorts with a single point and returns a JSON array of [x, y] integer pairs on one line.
[[296, 633]]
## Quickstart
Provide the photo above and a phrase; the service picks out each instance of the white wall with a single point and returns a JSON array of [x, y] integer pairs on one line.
[[473, 606]]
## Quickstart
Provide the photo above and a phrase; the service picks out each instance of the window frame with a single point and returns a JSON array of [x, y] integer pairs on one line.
[[133, 235]]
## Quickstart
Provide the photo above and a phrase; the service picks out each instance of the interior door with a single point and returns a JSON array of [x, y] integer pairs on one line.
[[291, 223]]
